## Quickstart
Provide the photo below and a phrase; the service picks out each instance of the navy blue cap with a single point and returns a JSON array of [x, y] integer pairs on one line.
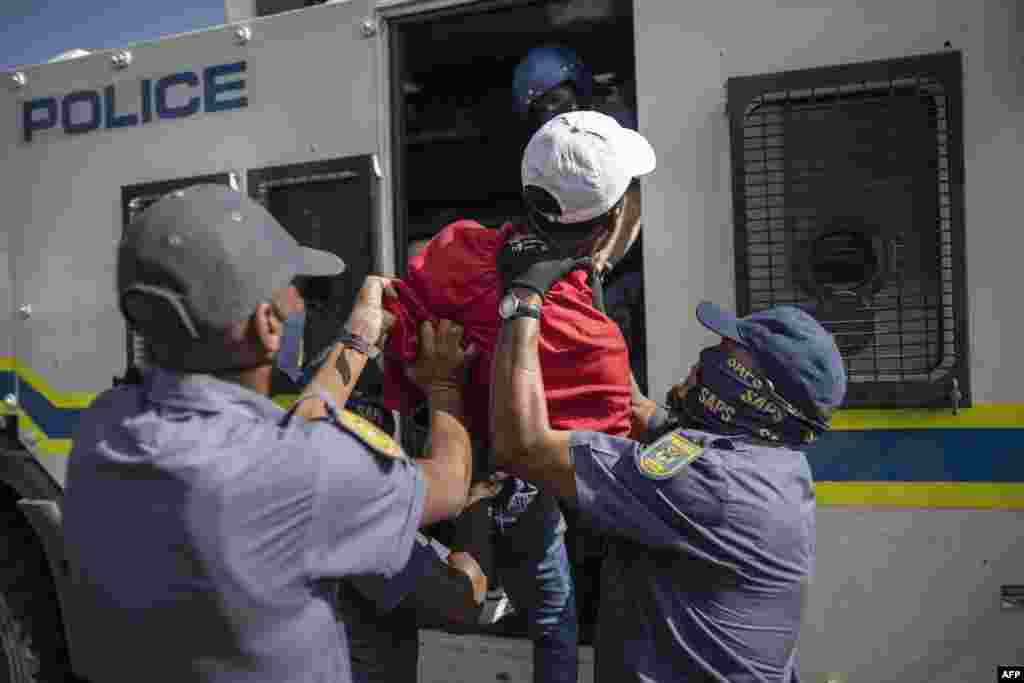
[[544, 68], [797, 354]]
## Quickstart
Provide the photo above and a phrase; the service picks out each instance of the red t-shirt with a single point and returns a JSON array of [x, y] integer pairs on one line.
[[583, 355]]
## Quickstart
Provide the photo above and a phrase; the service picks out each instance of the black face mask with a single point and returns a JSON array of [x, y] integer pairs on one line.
[[730, 399]]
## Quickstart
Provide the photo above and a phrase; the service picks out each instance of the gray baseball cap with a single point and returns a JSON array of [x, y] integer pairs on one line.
[[203, 258]]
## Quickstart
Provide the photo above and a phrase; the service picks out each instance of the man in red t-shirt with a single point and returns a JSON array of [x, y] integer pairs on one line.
[[580, 189]]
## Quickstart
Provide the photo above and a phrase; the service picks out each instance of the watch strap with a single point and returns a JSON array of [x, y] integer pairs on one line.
[[357, 343]]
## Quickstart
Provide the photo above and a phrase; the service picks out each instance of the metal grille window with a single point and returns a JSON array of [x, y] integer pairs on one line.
[[327, 204], [135, 199], [848, 201]]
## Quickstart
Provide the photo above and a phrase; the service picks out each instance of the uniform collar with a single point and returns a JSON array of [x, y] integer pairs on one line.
[[205, 393]]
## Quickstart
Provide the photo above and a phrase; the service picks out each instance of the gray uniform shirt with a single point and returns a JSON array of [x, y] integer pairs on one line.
[[708, 568], [199, 524]]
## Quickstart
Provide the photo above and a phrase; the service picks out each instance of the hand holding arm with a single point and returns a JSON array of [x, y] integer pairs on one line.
[[448, 462], [643, 412]]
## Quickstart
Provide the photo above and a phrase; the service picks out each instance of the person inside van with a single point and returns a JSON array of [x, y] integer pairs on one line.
[[552, 80]]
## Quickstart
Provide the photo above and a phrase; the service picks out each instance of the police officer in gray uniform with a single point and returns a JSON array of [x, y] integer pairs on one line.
[[203, 522], [712, 522]]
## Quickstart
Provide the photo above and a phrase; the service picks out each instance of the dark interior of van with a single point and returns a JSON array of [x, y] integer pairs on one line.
[[462, 137]]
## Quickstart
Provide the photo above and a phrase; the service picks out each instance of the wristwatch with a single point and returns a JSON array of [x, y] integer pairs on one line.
[[512, 307]]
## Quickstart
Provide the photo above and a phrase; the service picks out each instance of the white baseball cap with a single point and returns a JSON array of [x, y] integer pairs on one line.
[[586, 161]]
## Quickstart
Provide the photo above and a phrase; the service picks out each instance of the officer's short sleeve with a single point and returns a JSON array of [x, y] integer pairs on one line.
[[368, 507], [617, 497], [387, 593]]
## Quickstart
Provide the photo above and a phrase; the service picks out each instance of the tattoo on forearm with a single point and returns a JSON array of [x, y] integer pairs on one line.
[[344, 369]]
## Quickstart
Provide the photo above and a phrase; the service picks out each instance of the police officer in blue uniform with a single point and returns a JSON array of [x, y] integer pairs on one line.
[[203, 523], [712, 521]]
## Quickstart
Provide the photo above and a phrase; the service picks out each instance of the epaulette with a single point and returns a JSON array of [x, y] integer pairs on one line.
[[373, 437]]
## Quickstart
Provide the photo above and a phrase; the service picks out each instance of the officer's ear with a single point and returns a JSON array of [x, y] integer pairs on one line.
[[266, 329]]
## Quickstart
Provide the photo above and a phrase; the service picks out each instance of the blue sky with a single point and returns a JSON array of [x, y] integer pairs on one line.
[[34, 31]]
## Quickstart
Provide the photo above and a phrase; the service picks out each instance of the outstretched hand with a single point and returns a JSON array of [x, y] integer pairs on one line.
[[368, 318], [528, 262]]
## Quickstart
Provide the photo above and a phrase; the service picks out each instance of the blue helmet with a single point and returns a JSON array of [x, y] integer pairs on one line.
[[544, 68]]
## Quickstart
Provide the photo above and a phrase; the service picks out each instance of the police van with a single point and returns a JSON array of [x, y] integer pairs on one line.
[[856, 158]]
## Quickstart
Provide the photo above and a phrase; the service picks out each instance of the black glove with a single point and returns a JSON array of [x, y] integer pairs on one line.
[[529, 262]]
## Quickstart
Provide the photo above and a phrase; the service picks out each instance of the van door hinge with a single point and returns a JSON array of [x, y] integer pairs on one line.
[[955, 396]]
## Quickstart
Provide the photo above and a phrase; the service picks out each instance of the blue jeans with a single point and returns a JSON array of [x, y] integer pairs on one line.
[[534, 566]]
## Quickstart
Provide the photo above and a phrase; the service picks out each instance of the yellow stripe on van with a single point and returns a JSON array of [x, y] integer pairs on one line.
[[44, 445], [60, 399], [982, 416], [975, 495]]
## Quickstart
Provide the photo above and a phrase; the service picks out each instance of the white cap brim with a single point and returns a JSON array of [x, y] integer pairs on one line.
[[638, 155]]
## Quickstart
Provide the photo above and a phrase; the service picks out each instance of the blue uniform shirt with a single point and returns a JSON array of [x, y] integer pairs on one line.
[[200, 523], [708, 569]]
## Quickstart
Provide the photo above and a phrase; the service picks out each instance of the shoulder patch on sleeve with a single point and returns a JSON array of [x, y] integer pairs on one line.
[[372, 436], [666, 457]]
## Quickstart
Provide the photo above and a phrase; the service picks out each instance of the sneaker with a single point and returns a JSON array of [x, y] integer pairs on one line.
[[496, 606]]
